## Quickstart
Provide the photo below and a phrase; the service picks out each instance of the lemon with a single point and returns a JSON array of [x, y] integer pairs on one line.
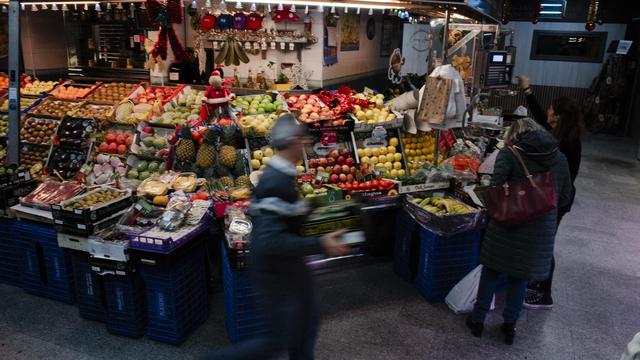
[[368, 152], [365, 159], [383, 151], [397, 165], [382, 158], [375, 151], [391, 149], [374, 159], [393, 173], [268, 152], [388, 165], [401, 172], [397, 157], [255, 164], [361, 153]]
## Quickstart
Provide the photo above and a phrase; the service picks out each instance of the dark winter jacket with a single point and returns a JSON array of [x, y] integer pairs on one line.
[[524, 251], [571, 148], [278, 212]]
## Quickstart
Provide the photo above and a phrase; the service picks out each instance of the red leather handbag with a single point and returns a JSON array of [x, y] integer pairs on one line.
[[519, 201]]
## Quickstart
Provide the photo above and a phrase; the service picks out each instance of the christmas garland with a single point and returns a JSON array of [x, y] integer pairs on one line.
[[165, 16]]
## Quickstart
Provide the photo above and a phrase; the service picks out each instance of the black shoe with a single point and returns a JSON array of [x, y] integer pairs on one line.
[[509, 331], [537, 300], [476, 327]]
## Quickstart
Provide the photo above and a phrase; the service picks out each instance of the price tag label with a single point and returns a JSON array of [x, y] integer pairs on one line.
[[247, 45], [273, 45], [264, 46], [256, 46], [174, 76], [292, 46], [282, 46], [216, 46]]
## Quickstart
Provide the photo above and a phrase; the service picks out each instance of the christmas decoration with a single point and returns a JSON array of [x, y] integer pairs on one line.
[[215, 96], [592, 15], [225, 21], [165, 16], [254, 22], [208, 22], [506, 12], [284, 13], [239, 21]]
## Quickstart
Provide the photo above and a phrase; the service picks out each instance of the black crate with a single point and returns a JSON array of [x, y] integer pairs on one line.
[[85, 230], [87, 216], [11, 194], [89, 288]]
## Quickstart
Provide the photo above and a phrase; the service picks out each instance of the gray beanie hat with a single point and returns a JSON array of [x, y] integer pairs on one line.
[[285, 130]]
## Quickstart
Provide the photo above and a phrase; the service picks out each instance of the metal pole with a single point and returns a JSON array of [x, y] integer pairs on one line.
[[445, 36], [13, 141]]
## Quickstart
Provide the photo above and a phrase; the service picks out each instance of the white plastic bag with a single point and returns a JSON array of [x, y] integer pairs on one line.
[[463, 296]]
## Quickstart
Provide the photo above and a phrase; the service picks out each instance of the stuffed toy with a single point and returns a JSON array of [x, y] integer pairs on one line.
[[215, 96]]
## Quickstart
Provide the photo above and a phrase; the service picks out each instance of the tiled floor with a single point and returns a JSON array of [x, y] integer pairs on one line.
[[369, 313]]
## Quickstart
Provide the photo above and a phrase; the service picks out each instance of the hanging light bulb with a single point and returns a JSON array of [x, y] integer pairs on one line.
[[253, 7], [320, 8], [358, 11], [65, 7], [333, 9], [34, 8], [4, 9], [54, 7], [194, 4], [306, 9], [108, 6], [346, 10], [45, 7], [119, 6], [132, 10], [97, 8], [268, 8], [280, 7], [86, 7], [370, 12], [223, 5], [75, 6], [238, 5], [22, 7], [293, 8], [143, 6]]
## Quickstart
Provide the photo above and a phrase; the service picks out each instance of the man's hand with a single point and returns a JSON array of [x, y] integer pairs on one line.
[[331, 244], [523, 81]]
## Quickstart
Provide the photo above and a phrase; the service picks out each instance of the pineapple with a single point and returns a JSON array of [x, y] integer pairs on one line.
[[243, 181], [228, 156], [186, 149], [240, 168], [206, 156], [228, 136], [227, 181]]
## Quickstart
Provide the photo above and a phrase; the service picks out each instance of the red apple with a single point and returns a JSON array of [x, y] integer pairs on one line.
[[129, 141], [104, 147], [122, 149], [121, 139], [320, 168], [340, 160], [345, 169], [322, 162], [113, 148], [111, 137], [337, 169], [331, 161], [350, 161], [148, 129], [312, 171], [349, 178], [334, 153], [343, 177], [353, 170], [334, 178], [313, 163], [345, 152]]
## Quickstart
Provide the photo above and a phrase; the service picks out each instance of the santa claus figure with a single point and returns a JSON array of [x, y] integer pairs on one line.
[[215, 97]]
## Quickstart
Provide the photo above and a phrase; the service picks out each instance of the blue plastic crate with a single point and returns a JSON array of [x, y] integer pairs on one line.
[[244, 316], [125, 304], [9, 253], [176, 293], [89, 288], [444, 261], [45, 268], [406, 229]]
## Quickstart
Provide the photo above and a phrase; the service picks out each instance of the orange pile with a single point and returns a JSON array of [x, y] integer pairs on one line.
[[70, 92]]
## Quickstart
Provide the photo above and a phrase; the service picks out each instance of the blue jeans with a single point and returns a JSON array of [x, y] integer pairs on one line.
[[516, 290]]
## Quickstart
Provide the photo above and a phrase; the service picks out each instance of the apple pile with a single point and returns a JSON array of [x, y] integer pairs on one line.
[[340, 164], [152, 94], [116, 142], [370, 185], [310, 107]]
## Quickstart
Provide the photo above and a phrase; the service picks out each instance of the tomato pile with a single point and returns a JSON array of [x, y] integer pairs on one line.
[[371, 185]]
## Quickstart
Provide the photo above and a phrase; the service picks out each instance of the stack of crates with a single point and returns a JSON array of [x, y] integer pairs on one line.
[[176, 288], [89, 288], [125, 303], [45, 268], [244, 316], [444, 260], [405, 252], [9, 253]]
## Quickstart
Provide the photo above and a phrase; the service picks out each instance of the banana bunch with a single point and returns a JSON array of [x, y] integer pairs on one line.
[[232, 52], [442, 206]]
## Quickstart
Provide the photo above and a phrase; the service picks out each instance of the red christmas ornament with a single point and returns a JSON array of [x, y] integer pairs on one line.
[[590, 26], [254, 22], [207, 22], [285, 15]]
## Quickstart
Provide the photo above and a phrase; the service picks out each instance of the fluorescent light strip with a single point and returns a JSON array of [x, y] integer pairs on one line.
[[550, 12], [330, 4], [551, 5]]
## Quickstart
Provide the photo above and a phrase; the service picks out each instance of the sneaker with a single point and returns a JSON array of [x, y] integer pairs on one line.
[[536, 300], [476, 327]]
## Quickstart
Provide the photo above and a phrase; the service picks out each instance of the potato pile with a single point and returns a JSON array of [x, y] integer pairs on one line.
[[111, 92], [54, 108], [38, 131], [30, 156], [94, 111], [92, 199]]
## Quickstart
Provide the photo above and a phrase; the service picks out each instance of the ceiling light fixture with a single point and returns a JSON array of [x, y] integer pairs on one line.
[[370, 12], [375, 5]]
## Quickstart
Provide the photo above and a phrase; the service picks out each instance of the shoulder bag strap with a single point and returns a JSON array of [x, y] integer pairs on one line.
[[516, 153]]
